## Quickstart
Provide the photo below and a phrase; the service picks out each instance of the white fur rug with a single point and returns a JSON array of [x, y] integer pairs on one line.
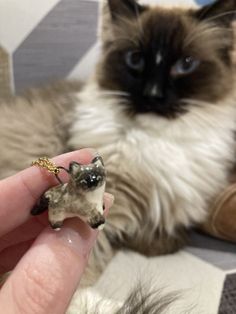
[[203, 275]]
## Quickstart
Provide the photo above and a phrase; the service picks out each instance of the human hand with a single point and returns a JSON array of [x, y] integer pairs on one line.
[[47, 265]]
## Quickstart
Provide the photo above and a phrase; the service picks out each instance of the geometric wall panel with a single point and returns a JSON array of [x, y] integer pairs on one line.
[[5, 77], [56, 44]]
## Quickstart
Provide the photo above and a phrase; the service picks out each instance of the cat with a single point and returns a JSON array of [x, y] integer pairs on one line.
[[160, 110]]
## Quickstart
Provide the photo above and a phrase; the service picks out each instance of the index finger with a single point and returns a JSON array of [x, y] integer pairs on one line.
[[19, 193]]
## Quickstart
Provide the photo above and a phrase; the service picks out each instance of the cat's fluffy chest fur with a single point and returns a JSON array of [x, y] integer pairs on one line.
[[178, 165]]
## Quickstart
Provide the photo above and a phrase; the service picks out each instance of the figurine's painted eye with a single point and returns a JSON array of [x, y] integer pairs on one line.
[[135, 60], [185, 66]]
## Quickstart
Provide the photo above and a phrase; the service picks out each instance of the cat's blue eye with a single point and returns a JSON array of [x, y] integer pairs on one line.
[[185, 66], [135, 61]]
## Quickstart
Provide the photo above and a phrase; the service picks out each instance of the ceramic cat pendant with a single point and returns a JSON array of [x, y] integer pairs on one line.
[[81, 197]]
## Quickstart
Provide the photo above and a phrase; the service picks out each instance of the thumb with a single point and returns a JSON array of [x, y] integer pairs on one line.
[[46, 278]]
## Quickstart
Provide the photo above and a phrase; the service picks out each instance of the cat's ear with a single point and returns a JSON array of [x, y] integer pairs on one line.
[[115, 13], [220, 11], [124, 8]]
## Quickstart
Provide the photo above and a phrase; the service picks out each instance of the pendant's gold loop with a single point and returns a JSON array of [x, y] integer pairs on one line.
[[46, 163]]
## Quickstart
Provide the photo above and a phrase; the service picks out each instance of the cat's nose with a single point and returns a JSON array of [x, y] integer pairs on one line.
[[153, 90]]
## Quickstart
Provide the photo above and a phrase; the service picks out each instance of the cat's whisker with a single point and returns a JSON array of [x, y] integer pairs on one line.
[[205, 105], [205, 31], [201, 115], [196, 102], [115, 93], [220, 15]]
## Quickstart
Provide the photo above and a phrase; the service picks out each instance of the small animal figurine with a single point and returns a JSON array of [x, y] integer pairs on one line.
[[81, 197]]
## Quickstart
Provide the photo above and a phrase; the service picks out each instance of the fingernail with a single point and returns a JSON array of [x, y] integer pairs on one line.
[[74, 234], [78, 236], [72, 239], [109, 199]]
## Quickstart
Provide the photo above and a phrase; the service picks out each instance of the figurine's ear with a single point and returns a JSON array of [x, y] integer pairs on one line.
[[74, 167], [98, 160], [125, 8], [220, 11]]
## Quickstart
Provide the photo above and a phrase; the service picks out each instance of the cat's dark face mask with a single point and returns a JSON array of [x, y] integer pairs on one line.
[[165, 59]]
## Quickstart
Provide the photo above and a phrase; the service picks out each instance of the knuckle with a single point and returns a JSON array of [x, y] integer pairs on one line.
[[38, 291]]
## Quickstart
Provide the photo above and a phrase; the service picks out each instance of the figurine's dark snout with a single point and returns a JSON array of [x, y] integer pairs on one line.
[[96, 223], [91, 180]]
